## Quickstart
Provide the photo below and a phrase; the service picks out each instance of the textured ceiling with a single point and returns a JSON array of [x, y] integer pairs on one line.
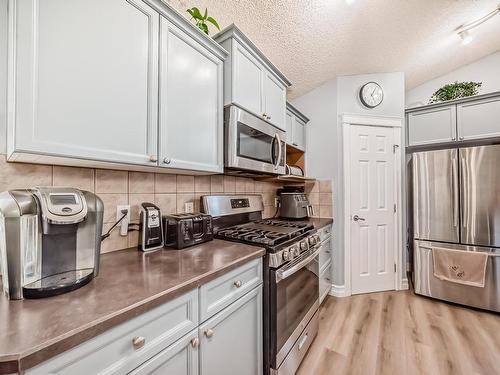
[[313, 41]]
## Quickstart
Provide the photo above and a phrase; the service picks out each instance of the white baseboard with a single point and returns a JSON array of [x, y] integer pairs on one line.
[[404, 284], [339, 291]]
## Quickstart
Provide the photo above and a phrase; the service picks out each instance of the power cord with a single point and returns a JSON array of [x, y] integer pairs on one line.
[[108, 233]]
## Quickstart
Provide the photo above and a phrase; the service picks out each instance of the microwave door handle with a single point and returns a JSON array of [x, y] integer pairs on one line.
[[283, 274], [278, 159]]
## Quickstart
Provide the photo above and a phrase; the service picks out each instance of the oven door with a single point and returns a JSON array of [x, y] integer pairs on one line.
[[253, 144], [294, 301]]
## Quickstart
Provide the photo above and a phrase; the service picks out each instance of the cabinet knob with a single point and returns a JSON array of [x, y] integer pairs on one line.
[[461, 138], [238, 283], [195, 342], [138, 342], [268, 117], [264, 115], [166, 161], [453, 139], [153, 158], [209, 333]]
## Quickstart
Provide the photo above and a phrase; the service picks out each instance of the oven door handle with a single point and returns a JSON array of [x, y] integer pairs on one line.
[[283, 274]]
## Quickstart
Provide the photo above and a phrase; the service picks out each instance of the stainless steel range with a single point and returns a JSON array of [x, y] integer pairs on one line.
[[291, 275]]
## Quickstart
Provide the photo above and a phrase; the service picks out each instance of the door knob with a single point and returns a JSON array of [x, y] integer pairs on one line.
[[357, 218]]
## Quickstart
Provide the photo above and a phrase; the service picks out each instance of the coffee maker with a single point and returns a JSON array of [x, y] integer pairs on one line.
[[50, 240]]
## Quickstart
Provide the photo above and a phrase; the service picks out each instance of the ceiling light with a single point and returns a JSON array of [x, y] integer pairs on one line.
[[463, 31], [465, 36], [350, 2]]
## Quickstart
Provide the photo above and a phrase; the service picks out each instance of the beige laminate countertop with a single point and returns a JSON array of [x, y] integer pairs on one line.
[[129, 283]]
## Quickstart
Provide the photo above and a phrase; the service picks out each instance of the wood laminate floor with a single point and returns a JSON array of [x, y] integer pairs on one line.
[[405, 334]]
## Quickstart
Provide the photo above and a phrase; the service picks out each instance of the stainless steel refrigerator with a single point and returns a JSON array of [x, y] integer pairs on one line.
[[456, 205]]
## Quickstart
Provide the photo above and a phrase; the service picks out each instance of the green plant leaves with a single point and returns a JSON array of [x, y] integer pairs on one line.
[[455, 90], [195, 13], [213, 22]]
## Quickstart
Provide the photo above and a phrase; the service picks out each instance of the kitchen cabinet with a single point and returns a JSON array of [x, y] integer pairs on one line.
[[222, 349], [191, 133], [141, 92], [180, 358], [435, 125], [251, 81], [174, 338], [479, 119], [296, 128], [325, 262]]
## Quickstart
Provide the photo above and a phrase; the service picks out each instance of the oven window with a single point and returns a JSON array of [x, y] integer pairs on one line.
[[253, 144], [296, 295]]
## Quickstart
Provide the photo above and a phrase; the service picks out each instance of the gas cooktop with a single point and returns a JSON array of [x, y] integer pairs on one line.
[[266, 232]]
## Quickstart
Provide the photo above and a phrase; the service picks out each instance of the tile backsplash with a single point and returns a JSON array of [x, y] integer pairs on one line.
[[170, 192]]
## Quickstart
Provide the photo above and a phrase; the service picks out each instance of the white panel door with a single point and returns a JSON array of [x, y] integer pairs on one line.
[[247, 80], [86, 79], [372, 209], [191, 118], [275, 101]]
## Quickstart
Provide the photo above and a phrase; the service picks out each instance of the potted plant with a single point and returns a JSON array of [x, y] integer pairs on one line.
[[201, 20], [455, 90]]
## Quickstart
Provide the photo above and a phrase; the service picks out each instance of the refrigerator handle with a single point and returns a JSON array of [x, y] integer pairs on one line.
[[454, 181], [464, 178]]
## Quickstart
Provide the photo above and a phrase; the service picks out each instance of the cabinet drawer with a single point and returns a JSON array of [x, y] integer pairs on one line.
[[113, 351], [325, 254], [221, 292], [325, 282]]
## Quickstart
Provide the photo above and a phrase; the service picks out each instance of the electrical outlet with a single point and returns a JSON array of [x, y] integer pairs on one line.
[[276, 202], [189, 207], [126, 220]]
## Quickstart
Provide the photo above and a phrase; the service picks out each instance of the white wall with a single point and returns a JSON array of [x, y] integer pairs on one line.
[[324, 106], [485, 70], [3, 75]]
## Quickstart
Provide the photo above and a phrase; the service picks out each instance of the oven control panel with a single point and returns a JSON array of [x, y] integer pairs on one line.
[[289, 253], [240, 203]]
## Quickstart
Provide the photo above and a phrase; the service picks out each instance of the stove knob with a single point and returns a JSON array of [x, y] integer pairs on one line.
[[296, 251], [286, 255], [318, 238], [312, 241], [303, 245]]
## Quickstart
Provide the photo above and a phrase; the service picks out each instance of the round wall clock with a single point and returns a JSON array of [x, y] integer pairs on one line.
[[371, 94]]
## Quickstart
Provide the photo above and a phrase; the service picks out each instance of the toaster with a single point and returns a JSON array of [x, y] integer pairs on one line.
[[184, 230]]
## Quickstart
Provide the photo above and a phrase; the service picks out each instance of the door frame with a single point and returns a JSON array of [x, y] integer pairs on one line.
[[381, 121]]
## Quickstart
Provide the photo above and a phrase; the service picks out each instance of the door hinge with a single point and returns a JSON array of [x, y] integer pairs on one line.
[[394, 148], [395, 208]]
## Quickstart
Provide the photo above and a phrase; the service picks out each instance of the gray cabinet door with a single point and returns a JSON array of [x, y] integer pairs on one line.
[[275, 101], [289, 127], [434, 125], [191, 108], [86, 79], [435, 195], [181, 358], [231, 341], [299, 136], [479, 119]]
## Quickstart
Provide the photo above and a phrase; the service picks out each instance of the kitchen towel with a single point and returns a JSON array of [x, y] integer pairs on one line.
[[460, 266]]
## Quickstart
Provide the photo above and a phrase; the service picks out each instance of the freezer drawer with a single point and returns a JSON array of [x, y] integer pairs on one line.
[[428, 285], [480, 195], [435, 195]]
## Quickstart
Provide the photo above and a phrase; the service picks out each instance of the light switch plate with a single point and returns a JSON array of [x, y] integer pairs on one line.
[[189, 207]]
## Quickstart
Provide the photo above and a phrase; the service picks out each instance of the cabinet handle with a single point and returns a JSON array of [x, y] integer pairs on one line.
[[209, 333], [195, 342], [238, 283], [153, 158], [167, 161], [138, 342]]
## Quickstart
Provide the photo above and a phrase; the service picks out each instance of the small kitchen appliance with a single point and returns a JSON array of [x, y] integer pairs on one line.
[[184, 230], [291, 275], [294, 203], [50, 240], [151, 227]]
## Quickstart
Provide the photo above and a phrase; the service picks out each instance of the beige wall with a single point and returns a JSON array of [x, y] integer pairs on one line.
[[168, 191]]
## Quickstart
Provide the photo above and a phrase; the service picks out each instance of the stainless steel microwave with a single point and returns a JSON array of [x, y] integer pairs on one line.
[[252, 145]]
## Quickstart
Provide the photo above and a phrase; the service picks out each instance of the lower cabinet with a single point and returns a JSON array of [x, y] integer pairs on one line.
[[231, 341], [180, 358]]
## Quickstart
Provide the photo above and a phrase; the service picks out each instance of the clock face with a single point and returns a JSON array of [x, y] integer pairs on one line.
[[371, 94]]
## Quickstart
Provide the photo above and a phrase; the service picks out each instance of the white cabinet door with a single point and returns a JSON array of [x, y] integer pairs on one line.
[[275, 101], [180, 358], [231, 341], [289, 127], [299, 137], [191, 109], [479, 119], [434, 125], [247, 80], [86, 79]]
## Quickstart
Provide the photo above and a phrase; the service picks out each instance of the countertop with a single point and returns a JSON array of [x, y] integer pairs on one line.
[[129, 283]]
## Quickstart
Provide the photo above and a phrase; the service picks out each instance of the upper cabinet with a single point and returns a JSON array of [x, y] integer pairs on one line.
[[472, 118], [251, 81], [87, 91], [295, 128]]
